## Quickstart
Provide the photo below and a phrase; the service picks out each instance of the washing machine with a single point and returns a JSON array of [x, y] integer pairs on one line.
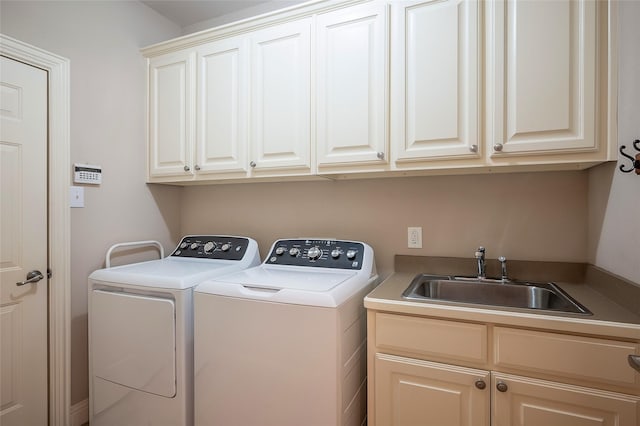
[[284, 343], [141, 331]]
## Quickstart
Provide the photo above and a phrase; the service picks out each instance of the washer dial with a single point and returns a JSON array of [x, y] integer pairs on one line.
[[314, 253]]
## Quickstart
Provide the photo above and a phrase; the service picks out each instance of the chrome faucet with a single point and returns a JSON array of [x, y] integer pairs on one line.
[[481, 263], [503, 269]]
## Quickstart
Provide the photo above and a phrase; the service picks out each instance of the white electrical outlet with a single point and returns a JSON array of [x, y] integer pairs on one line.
[[414, 237]]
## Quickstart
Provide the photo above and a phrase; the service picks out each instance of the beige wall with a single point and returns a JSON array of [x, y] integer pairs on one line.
[[536, 216], [102, 41], [539, 216], [614, 197]]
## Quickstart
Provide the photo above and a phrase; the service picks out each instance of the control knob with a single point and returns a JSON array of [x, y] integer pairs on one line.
[[335, 253], [351, 254], [294, 251], [193, 246], [314, 253], [184, 245], [280, 251], [225, 247], [209, 246]]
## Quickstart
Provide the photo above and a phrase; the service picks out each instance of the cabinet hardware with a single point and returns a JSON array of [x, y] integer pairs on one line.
[[497, 147], [473, 148], [197, 168], [187, 168], [480, 384], [634, 362], [252, 164], [380, 155], [502, 387], [635, 162]]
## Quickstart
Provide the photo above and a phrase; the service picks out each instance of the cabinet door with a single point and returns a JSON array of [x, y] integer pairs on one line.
[[280, 131], [414, 392], [171, 114], [352, 86], [222, 106], [435, 84], [541, 77], [531, 402]]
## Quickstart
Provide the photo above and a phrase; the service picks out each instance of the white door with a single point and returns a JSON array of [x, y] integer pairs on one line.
[[23, 244]]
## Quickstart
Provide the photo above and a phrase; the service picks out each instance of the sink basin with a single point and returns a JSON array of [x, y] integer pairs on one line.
[[538, 296]]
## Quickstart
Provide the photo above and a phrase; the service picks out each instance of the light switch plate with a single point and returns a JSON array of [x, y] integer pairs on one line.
[[76, 196], [414, 237]]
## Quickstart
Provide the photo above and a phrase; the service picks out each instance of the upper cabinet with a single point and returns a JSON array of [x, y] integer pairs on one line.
[[352, 80], [222, 135], [337, 88], [436, 83], [171, 115], [280, 124], [542, 87]]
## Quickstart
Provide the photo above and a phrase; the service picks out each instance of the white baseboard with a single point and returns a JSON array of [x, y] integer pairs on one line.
[[79, 413]]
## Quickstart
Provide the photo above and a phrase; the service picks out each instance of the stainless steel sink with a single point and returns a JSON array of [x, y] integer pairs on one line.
[[525, 295]]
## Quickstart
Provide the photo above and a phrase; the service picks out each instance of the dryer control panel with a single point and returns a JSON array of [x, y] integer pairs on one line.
[[317, 253], [211, 247]]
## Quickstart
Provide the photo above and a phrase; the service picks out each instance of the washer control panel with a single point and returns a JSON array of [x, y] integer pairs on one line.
[[212, 247], [317, 253]]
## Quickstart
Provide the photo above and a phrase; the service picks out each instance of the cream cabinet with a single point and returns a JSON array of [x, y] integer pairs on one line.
[[387, 88], [171, 115], [233, 108], [352, 97], [222, 140], [280, 100], [520, 400], [443, 372], [544, 81], [437, 82], [417, 392]]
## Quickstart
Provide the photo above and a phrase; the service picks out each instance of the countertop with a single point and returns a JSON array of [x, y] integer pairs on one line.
[[615, 315]]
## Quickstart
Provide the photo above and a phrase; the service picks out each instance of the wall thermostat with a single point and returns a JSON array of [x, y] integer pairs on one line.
[[86, 173]]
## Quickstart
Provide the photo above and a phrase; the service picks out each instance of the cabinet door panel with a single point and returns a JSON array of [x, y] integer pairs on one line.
[[541, 76], [222, 106], [352, 95], [435, 86], [414, 392], [280, 97], [171, 114], [530, 402]]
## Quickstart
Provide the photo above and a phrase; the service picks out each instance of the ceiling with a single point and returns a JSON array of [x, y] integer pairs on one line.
[[189, 12]]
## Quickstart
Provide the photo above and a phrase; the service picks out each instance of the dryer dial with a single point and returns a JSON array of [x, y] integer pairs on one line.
[[209, 247]]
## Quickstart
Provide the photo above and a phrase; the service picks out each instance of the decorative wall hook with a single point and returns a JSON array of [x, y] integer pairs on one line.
[[635, 162]]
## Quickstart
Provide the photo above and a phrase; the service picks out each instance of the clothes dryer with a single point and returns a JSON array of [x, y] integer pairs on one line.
[[141, 331], [284, 343]]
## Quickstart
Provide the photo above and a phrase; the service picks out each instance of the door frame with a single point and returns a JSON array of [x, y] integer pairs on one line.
[[59, 298]]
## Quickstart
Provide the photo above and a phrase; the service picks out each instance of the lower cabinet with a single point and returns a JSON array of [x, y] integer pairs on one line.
[[524, 401], [413, 380], [417, 392]]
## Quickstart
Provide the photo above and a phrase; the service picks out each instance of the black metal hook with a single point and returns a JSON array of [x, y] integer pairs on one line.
[[635, 162]]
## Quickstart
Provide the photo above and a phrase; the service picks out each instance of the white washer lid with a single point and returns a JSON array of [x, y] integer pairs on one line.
[[172, 273], [290, 284]]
